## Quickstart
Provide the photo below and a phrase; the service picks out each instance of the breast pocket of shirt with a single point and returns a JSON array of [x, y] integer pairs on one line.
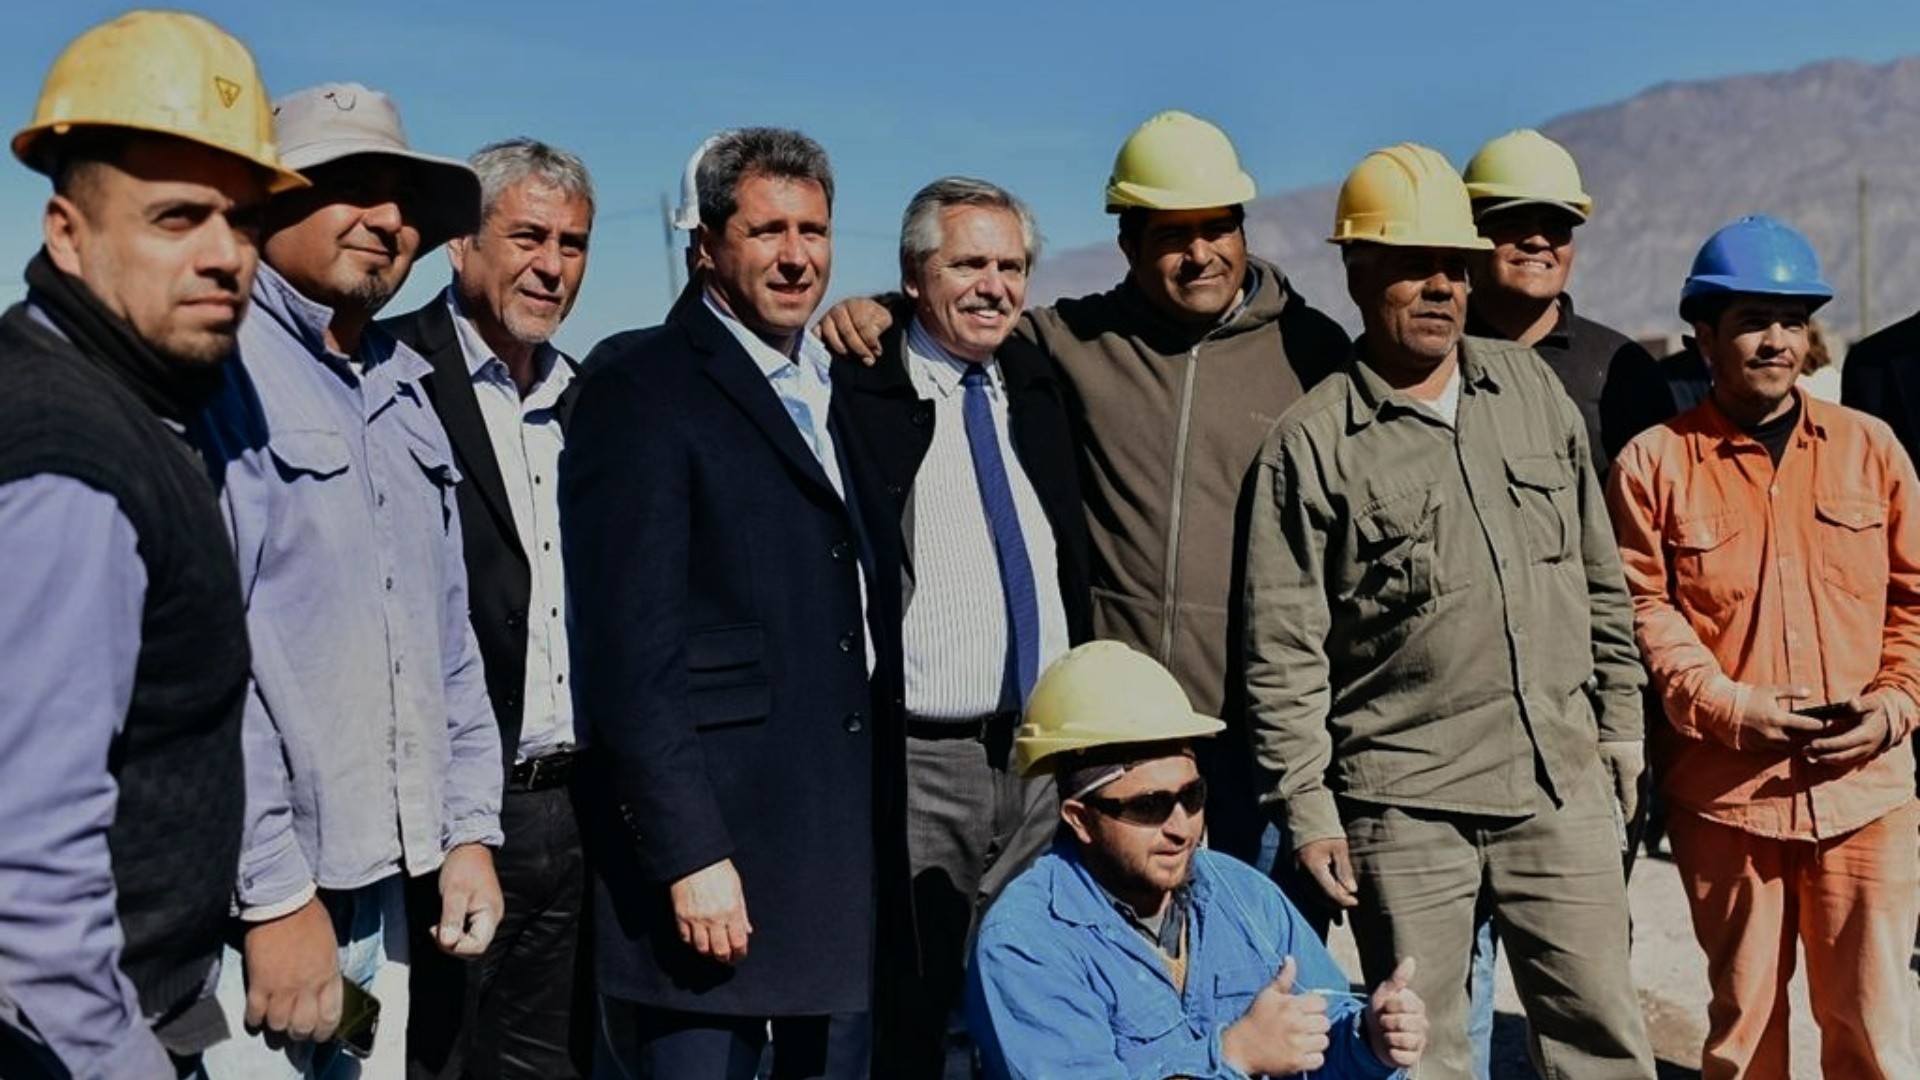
[[1541, 487], [1713, 569], [1395, 555], [1852, 537], [436, 464], [309, 457]]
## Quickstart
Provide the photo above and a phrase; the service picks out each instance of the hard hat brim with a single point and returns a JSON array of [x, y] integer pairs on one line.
[[30, 145], [1456, 243], [1492, 203], [1037, 756], [1126, 195]]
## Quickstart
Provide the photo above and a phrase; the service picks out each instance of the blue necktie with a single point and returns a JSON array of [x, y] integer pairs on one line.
[[1009, 548]]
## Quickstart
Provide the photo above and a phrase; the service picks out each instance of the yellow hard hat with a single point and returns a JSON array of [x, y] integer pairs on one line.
[[1524, 167], [165, 72], [1177, 161], [1409, 196], [1102, 694]]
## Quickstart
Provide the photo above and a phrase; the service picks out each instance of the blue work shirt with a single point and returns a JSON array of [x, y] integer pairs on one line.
[[371, 747], [1062, 986]]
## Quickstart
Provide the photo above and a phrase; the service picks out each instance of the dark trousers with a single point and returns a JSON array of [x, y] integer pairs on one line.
[[973, 824], [518, 1011], [638, 1042]]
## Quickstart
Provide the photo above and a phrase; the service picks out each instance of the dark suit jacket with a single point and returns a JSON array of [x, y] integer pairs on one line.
[[893, 428], [1882, 377], [719, 674], [498, 576]]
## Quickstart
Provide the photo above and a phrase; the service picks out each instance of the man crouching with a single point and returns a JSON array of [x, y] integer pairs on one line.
[[1128, 949]]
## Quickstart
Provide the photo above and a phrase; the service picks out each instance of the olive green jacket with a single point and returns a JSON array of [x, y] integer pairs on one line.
[[1434, 621]]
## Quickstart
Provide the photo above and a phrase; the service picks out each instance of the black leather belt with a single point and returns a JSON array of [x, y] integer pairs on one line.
[[977, 729], [543, 772]]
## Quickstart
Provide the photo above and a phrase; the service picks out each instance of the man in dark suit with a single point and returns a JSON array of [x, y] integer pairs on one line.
[[983, 567], [1882, 377], [721, 652], [503, 394]]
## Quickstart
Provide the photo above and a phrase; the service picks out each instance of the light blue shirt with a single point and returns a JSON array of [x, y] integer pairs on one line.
[[1062, 985], [371, 747]]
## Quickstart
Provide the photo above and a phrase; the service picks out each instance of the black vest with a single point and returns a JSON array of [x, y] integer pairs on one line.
[[175, 839]]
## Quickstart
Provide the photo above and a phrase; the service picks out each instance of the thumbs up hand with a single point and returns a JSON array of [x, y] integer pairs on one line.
[[1396, 1019], [1282, 1032]]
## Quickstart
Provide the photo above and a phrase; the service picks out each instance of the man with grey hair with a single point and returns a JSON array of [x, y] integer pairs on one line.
[[983, 570], [503, 394], [717, 574]]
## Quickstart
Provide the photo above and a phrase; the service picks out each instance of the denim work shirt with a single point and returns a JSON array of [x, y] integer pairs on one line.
[[1062, 985], [371, 746]]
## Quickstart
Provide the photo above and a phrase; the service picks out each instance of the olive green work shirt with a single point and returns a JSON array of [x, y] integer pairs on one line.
[[1436, 615]]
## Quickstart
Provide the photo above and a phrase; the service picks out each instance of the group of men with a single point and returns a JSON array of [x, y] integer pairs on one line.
[[743, 697]]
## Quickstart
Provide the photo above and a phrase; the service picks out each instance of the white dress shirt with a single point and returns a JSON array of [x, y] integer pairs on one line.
[[956, 628], [526, 438]]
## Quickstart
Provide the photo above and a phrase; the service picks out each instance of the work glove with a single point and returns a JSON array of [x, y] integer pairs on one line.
[[1626, 763]]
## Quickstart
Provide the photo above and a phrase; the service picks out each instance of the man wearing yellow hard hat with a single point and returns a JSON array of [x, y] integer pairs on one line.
[[1129, 949], [1440, 645], [1528, 201], [122, 635], [1177, 372]]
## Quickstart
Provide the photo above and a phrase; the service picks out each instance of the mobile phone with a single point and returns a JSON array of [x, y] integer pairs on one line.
[[1832, 710], [359, 1019]]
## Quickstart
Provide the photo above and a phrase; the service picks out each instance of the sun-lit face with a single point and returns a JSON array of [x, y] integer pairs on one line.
[[168, 238], [1140, 860], [769, 263], [969, 293], [348, 241], [1754, 351], [522, 269], [1532, 252], [1190, 264]]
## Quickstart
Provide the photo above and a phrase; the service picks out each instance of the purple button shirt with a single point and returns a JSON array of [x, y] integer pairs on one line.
[[371, 748], [70, 610]]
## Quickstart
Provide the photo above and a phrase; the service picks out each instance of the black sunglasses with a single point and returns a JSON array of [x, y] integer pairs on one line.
[[1154, 807]]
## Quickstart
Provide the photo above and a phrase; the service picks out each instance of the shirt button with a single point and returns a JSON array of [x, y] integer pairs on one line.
[[389, 584], [396, 667], [536, 479], [379, 498], [846, 642], [854, 723]]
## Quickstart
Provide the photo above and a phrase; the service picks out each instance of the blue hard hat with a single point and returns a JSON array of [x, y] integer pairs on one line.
[[1756, 254]]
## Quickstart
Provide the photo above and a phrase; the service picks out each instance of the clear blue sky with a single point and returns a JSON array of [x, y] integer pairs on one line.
[[1035, 96]]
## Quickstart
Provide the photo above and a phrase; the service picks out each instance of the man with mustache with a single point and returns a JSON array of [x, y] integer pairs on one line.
[[1132, 950], [372, 754], [122, 631], [969, 430], [721, 650], [1439, 643], [1174, 377], [503, 393], [1773, 550]]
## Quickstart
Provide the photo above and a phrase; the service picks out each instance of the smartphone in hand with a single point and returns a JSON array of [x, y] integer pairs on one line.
[[1830, 712], [359, 1019]]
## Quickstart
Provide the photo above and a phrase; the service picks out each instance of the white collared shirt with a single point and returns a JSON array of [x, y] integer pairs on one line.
[[955, 630], [526, 438], [803, 377]]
